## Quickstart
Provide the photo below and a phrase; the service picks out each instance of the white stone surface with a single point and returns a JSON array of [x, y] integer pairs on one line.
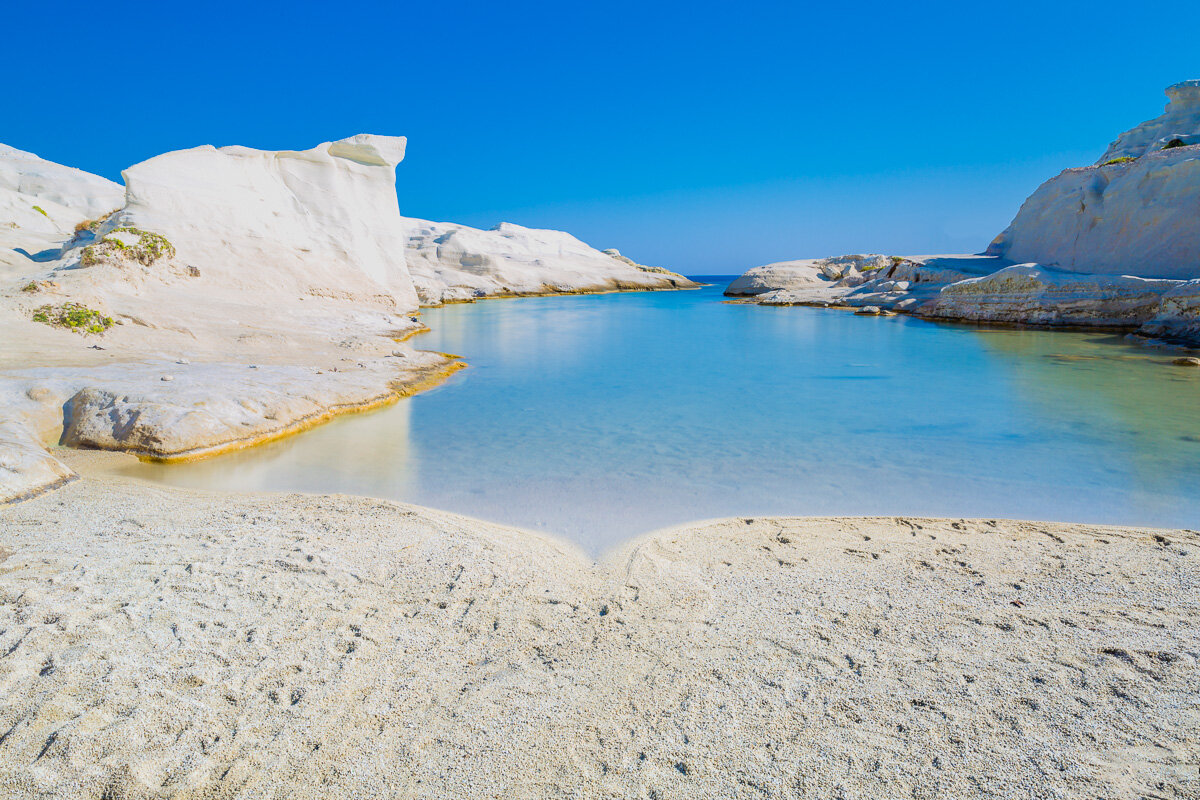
[[1029, 293], [26, 468], [890, 282], [322, 222], [253, 293], [65, 197], [809, 273], [451, 262], [1178, 315], [42, 180], [1105, 245], [1134, 218]]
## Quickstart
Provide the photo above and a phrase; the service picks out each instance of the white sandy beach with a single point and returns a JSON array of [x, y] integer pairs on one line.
[[166, 643]]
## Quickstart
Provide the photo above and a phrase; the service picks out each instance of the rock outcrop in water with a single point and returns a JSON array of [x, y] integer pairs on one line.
[[454, 263], [1116, 244]]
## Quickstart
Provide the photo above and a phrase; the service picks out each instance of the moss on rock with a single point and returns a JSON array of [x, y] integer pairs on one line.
[[73, 316]]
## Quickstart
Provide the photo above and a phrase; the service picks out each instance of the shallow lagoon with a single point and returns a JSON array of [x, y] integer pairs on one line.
[[600, 417]]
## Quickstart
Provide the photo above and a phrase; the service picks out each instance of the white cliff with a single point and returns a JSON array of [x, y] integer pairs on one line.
[[322, 222], [454, 263], [1132, 213], [1134, 217]]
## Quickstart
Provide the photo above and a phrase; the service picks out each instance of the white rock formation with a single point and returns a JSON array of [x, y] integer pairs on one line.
[[322, 222], [1178, 315], [1136, 216], [451, 263], [890, 282], [809, 273], [238, 295], [41, 203], [1131, 218], [1180, 120], [41, 180]]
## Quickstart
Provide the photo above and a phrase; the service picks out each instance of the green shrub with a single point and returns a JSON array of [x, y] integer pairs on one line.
[[73, 316], [150, 247], [1171, 145], [41, 211], [30, 287], [1121, 160]]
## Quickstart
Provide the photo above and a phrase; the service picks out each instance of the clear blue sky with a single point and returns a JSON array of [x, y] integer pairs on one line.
[[705, 137]]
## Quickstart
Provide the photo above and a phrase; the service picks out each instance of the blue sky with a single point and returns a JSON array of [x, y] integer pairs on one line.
[[705, 137]]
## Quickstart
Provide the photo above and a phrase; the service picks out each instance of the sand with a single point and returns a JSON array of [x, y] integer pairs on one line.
[[157, 642]]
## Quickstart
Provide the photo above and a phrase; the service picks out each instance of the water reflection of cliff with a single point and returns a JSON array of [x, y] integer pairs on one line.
[[356, 454], [1128, 396]]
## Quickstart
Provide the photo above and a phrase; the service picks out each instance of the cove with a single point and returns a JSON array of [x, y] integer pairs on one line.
[[600, 417]]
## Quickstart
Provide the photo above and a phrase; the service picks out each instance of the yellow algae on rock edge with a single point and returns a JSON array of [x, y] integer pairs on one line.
[[426, 379]]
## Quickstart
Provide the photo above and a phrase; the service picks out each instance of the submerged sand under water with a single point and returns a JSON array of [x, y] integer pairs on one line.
[[601, 418], [159, 642]]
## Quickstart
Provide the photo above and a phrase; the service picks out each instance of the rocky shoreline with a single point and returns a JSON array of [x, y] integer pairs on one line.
[[228, 296], [1114, 245]]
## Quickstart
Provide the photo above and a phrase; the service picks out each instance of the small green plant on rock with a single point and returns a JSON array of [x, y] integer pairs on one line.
[[1121, 160], [1171, 145], [41, 211], [73, 316], [30, 287], [148, 247]]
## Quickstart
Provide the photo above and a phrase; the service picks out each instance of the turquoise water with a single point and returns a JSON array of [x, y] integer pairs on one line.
[[601, 417]]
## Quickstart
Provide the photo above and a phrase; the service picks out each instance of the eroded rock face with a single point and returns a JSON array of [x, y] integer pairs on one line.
[[1029, 293], [1180, 120], [1132, 213], [1177, 315], [1131, 218], [810, 273], [1116, 244], [43, 182], [319, 222], [890, 282], [200, 409], [452, 262]]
